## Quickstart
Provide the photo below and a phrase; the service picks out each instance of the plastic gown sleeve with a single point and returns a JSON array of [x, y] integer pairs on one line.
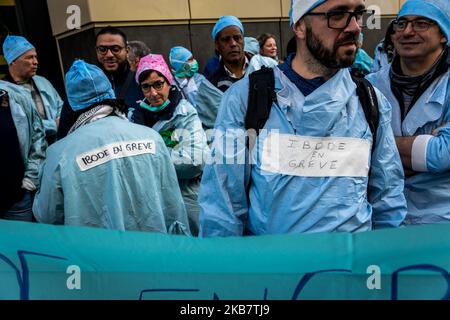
[[48, 206], [50, 126], [55, 105], [38, 146], [208, 102], [438, 151], [171, 201], [223, 193], [387, 179], [32, 139], [188, 155]]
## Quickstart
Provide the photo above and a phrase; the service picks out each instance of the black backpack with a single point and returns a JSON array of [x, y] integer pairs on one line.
[[262, 94]]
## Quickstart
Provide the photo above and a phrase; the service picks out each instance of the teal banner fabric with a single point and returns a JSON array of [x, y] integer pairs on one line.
[[56, 262]]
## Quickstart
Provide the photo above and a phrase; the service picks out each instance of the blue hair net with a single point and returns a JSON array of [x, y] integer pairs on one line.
[[251, 45], [436, 10], [301, 7], [178, 57], [14, 47], [224, 22], [86, 84]]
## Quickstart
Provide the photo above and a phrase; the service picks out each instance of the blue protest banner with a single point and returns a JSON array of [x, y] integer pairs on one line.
[[57, 262]]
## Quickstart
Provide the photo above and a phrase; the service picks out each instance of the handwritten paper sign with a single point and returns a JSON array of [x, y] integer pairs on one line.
[[315, 157], [99, 156]]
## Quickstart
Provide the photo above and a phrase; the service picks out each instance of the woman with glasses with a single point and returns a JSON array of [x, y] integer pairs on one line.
[[177, 121]]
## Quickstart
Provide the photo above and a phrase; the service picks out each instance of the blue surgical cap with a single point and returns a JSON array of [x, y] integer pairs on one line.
[[86, 84], [14, 47], [436, 10], [178, 57], [301, 7], [224, 22], [251, 45]]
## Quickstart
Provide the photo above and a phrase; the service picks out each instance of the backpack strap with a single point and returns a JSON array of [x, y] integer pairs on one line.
[[369, 103], [262, 95], [260, 98]]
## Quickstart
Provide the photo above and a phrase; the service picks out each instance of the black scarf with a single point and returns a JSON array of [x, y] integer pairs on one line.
[[118, 77], [415, 86]]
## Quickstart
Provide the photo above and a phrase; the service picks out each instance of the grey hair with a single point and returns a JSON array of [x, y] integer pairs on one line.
[[138, 49]]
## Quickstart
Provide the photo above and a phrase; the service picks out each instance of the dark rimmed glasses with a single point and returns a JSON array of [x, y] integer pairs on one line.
[[341, 19], [157, 85], [418, 25], [115, 49]]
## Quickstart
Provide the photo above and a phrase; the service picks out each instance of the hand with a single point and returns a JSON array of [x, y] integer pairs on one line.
[[436, 131]]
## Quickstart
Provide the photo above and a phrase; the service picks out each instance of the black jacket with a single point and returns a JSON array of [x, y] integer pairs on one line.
[[119, 79], [221, 79]]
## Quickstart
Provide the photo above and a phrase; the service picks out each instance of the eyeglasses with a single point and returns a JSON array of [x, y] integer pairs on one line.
[[417, 25], [104, 49], [157, 85], [341, 19]]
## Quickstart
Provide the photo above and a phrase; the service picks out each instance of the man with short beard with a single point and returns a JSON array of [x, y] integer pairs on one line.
[[312, 162], [111, 49]]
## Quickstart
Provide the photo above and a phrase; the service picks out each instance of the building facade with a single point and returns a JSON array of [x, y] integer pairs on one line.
[[67, 28]]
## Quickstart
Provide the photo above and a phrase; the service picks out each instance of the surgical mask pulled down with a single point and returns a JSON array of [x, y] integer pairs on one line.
[[148, 107]]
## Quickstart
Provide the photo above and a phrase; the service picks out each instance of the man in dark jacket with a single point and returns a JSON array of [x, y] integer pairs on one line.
[[111, 50], [228, 34]]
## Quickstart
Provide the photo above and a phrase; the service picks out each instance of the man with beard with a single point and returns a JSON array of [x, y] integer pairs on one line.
[[228, 34], [417, 86], [111, 48], [310, 166]]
